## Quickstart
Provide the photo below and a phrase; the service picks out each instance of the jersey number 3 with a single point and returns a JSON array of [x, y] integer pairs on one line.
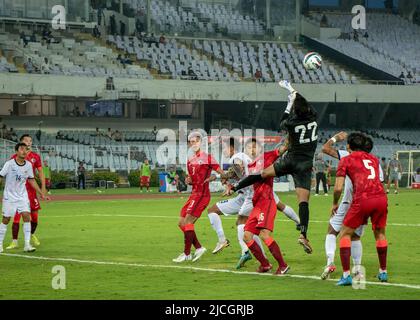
[[302, 129], [368, 166]]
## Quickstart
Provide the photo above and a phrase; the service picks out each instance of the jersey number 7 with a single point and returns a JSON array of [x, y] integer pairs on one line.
[[302, 129]]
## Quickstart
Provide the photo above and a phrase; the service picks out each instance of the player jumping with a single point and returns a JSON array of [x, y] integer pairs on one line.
[[199, 166], [369, 200], [34, 159], [299, 120], [18, 173]]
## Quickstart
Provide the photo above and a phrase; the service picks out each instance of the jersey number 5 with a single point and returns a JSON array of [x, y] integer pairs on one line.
[[302, 129], [368, 166]]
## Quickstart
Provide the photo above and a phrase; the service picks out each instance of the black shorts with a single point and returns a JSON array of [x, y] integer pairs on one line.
[[300, 169]]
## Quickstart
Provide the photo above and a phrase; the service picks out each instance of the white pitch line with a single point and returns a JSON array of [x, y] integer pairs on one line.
[[177, 217], [156, 266]]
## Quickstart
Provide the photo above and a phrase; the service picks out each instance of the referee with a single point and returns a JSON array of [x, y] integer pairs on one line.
[[320, 167]]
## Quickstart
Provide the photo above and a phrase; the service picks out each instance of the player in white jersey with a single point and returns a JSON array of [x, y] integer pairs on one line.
[[336, 220], [15, 196], [242, 204]]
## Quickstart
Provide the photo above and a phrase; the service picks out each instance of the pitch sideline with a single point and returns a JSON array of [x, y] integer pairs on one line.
[[139, 265]]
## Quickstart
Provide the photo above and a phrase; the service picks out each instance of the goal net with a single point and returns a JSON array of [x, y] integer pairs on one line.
[[410, 162]]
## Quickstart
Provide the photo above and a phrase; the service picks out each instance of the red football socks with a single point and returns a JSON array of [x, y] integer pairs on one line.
[[345, 253], [15, 231], [257, 252], [190, 238], [382, 249], [276, 252], [34, 221]]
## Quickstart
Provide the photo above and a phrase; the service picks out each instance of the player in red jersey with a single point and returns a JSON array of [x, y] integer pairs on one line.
[[36, 162], [262, 217], [369, 201], [199, 166]]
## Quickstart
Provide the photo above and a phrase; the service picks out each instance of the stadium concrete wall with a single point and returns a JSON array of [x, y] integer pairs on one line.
[[71, 86]]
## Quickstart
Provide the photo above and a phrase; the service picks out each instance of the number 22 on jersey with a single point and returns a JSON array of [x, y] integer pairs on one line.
[[302, 129]]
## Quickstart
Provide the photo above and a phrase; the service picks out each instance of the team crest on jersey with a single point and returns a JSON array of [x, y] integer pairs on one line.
[[33, 160]]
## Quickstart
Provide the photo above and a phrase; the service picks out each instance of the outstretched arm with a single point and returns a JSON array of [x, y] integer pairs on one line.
[[329, 149]]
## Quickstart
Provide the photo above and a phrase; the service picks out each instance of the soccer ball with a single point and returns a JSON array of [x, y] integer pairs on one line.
[[312, 61]]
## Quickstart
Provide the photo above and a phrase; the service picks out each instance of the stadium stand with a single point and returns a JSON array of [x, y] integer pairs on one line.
[[276, 61], [202, 17], [174, 59], [387, 37], [66, 148], [208, 61], [70, 57], [6, 66]]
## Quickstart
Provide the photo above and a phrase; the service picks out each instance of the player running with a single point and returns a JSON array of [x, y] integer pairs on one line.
[[199, 166], [337, 218], [241, 205], [369, 200], [18, 173], [262, 217], [34, 159], [299, 120]]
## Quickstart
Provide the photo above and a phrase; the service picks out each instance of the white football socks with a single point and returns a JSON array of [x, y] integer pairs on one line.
[[27, 233], [330, 246], [216, 223], [3, 229], [291, 214], [356, 252], [242, 243]]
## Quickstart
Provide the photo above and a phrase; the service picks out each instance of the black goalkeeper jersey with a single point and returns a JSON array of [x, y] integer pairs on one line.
[[303, 135]]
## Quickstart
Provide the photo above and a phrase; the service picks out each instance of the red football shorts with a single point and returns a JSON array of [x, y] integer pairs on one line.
[[145, 180], [360, 211], [262, 216], [33, 199], [195, 205]]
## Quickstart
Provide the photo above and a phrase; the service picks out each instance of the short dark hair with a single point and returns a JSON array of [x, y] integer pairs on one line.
[[368, 144], [357, 141], [233, 143], [253, 140], [20, 144], [26, 135], [301, 106]]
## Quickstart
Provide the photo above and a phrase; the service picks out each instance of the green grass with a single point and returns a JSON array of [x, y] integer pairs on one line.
[[94, 191], [128, 232]]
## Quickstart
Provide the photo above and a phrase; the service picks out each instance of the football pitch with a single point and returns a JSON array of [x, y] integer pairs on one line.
[[123, 249]]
